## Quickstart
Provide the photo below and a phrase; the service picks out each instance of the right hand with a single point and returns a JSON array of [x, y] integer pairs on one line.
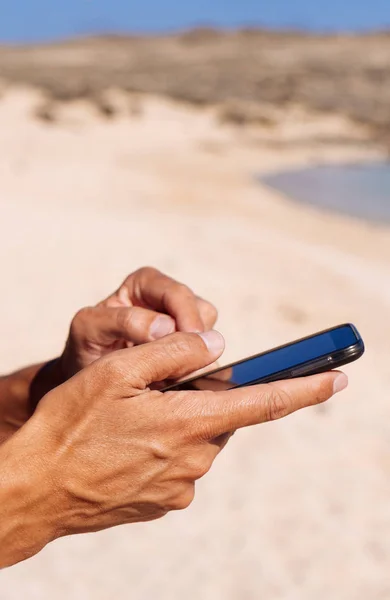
[[147, 306], [103, 449]]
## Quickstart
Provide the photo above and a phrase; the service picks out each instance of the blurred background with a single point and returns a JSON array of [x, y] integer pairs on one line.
[[241, 147]]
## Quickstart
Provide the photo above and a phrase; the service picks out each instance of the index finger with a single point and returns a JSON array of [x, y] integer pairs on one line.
[[149, 288], [221, 412]]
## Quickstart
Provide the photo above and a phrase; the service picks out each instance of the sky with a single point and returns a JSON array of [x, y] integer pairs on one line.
[[45, 20]]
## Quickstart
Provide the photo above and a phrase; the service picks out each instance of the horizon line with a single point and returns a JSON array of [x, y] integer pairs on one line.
[[217, 29]]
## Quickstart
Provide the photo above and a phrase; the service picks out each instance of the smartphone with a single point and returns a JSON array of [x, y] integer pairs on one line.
[[318, 353]]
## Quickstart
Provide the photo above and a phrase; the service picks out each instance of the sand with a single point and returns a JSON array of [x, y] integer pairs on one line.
[[298, 509]]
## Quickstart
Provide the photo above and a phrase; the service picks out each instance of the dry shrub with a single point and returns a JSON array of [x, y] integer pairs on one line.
[[104, 106], [46, 112], [242, 114], [256, 69]]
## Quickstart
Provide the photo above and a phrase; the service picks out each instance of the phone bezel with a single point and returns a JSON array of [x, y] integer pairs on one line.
[[321, 364]]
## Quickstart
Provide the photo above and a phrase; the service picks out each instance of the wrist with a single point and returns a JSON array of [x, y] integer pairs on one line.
[[28, 498], [50, 376]]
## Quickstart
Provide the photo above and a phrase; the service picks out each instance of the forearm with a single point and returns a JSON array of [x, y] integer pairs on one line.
[[21, 391], [14, 400], [27, 512]]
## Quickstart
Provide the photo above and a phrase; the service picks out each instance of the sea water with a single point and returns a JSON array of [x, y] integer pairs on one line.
[[360, 190]]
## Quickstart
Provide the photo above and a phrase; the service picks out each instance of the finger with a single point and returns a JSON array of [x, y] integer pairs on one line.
[[208, 313], [149, 288], [211, 384], [224, 375], [161, 385], [221, 412], [136, 325], [139, 325], [200, 372], [206, 379], [126, 295], [169, 358]]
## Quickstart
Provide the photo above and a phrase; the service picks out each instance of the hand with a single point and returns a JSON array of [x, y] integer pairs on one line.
[[103, 449], [146, 307]]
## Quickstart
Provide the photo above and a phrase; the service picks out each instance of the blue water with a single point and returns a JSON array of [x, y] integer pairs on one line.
[[360, 190]]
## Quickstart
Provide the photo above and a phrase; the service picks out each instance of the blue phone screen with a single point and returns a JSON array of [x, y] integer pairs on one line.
[[281, 359], [293, 355]]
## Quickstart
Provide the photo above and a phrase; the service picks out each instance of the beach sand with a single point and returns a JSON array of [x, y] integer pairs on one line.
[[298, 509]]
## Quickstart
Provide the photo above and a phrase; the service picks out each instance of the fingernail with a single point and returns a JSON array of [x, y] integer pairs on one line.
[[214, 341], [340, 383], [161, 327]]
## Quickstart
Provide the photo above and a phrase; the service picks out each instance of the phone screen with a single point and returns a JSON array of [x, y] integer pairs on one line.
[[276, 361]]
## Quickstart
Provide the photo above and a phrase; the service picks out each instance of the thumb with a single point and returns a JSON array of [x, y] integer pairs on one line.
[[172, 357]]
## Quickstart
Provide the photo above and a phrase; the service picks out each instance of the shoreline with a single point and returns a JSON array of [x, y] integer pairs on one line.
[[336, 188]]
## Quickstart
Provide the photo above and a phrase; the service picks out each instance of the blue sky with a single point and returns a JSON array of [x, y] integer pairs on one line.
[[32, 20]]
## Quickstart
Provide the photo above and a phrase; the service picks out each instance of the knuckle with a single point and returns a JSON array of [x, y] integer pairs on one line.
[[200, 468], [182, 406], [212, 312], [208, 311], [126, 319], [183, 289], [279, 403], [97, 382], [184, 499], [323, 393], [184, 344], [195, 424], [80, 321], [160, 450], [147, 272], [108, 368]]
